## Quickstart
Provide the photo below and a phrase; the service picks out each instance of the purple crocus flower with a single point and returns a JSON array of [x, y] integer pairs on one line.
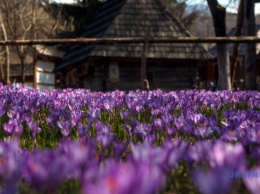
[[27, 118], [82, 129], [148, 153], [139, 108], [199, 152], [124, 114], [203, 131], [52, 119], [46, 169], [224, 154], [13, 127], [108, 103], [159, 124], [214, 181], [93, 114], [105, 139], [169, 130], [2, 107], [126, 178], [176, 150], [11, 163], [34, 127], [252, 181], [49, 119], [155, 112], [12, 114], [82, 154], [141, 129], [10, 158], [179, 123], [76, 117], [65, 127], [229, 136], [134, 123], [101, 127], [151, 138], [119, 148], [197, 118], [128, 129]]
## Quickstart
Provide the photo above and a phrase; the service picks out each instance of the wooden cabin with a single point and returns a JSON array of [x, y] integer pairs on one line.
[[39, 65], [46, 58], [15, 68], [118, 66]]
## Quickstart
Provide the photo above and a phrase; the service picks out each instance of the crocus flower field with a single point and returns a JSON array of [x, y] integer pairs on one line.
[[78, 141]]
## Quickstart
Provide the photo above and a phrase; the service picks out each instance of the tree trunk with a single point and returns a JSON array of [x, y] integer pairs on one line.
[[250, 56], [224, 82], [219, 19], [239, 25], [7, 58], [22, 55]]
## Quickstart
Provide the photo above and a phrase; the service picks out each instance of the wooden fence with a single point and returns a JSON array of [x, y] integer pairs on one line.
[[134, 40], [127, 40]]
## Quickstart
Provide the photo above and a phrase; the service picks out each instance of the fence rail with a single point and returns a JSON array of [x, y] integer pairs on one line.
[[127, 40]]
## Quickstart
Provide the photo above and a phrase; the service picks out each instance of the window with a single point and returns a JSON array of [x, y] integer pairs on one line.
[[113, 72]]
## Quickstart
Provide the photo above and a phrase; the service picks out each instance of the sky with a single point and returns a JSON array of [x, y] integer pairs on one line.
[[231, 5], [222, 2], [226, 3]]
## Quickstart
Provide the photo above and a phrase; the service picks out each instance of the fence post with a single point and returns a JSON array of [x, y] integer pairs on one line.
[[143, 65]]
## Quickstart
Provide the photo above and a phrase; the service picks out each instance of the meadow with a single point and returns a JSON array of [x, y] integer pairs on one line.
[[78, 141]]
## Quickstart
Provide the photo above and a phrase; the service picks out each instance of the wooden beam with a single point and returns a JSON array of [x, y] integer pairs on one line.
[[143, 65], [127, 40]]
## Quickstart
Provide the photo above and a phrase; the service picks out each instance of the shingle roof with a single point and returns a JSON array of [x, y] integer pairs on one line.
[[242, 46], [133, 18]]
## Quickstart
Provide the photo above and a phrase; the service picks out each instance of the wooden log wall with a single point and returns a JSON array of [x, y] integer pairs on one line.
[[129, 77], [166, 76], [173, 76]]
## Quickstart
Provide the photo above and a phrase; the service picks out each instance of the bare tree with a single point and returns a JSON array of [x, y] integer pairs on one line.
[[7, 54], [218, 13], [179, 8], [250, 57], [239, 25], [26, 19], [12, 17]]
